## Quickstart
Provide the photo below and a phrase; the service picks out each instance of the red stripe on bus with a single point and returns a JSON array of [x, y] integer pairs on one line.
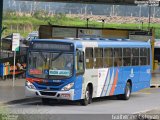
[[34, 80]]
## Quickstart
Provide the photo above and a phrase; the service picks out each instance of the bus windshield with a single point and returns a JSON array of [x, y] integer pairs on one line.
[[47, 65]]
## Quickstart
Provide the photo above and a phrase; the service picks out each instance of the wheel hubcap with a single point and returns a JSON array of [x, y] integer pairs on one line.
[[128, 92], [87, 95]]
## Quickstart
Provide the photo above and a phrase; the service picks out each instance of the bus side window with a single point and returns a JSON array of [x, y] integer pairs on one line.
[[89, 58], [143, 56], [108, 57], [80, 61], [98, 63], [135, 56], [118, 57], [126, 56]]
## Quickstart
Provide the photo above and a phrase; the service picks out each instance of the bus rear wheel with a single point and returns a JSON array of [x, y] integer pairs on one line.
[[88, 97], [127, 92]]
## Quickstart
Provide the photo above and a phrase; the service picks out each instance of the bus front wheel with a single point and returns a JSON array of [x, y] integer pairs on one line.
[[127, 92], [88, 97]]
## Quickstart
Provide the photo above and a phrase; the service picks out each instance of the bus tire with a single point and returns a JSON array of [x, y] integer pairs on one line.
[[88, 97], [127, 92], [45, 101]]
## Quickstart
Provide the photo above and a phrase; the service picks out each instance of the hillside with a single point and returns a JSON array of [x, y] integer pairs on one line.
[[25, 17], [25, 23]]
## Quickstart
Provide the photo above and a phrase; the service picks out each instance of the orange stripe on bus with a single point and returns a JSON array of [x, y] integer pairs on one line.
[[114, 83]]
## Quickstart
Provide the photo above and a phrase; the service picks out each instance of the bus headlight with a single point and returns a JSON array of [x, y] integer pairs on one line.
[[68, 87], [30, 85]]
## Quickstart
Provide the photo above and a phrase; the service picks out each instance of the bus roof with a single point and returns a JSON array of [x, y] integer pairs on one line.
[[99, 42]]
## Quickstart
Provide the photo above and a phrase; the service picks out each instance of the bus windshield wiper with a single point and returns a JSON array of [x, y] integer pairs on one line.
[[57, 56], [42, 56]]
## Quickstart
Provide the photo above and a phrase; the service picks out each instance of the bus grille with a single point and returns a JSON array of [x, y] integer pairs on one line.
[[49, 83], [48, 93], [44, 88]]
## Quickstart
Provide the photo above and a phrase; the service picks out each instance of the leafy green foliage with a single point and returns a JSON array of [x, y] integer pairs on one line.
[[28, 23]]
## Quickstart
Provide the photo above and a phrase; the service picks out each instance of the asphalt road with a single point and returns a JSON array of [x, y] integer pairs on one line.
[[141, 101]]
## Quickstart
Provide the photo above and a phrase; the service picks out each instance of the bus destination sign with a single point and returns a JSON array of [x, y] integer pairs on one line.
[[52, 46]]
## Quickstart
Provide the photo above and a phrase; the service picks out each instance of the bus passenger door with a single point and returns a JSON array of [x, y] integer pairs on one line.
[[79, 65]]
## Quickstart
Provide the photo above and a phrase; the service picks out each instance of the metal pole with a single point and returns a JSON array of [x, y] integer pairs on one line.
[[149, 16], [87, 22], [140, 9], [142, 25], [14, 66], [1, 15], [103, 23]]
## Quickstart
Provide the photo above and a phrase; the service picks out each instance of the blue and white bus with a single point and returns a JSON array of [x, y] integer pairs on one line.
[[82, 69]]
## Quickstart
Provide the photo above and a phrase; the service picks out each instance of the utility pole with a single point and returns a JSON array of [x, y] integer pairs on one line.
[[19, 8], [113, 10], [140, 11], [1, 15], [86, 9], [149, 15]]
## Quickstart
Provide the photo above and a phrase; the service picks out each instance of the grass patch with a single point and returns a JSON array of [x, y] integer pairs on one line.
[[26, 24]]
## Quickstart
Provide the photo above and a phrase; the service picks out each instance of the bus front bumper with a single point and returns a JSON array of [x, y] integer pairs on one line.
[[66, 95]]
